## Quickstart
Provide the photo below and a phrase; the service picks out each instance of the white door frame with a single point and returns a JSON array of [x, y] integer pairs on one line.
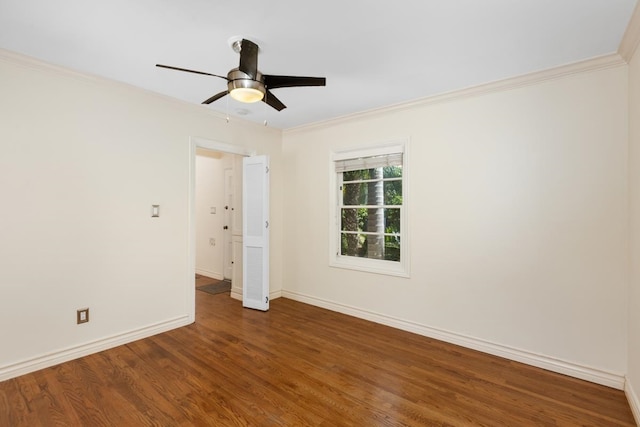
[[194, 144]]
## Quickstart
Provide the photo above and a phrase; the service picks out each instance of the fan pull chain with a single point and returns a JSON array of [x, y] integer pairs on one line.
[[264, 109]]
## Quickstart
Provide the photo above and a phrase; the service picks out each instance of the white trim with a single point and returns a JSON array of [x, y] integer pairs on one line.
[[634, 401], [42, 66], [610, 379], [275, 295], [75, 352], [631, 37], [222, 147], [599, 63], [237, 294], [38, 65], [375, 266]]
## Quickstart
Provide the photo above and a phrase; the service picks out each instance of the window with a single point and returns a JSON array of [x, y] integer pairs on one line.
[[369, 220]]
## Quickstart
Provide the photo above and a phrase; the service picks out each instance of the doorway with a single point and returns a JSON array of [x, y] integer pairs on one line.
[[214, 170], [215, 212]]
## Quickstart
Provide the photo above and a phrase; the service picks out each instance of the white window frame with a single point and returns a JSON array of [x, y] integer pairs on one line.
[[392, 268]]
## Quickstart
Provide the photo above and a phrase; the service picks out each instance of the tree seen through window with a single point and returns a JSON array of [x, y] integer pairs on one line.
[[370, 213]]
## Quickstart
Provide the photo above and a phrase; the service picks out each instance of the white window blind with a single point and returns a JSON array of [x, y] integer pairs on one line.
[[378, 161]]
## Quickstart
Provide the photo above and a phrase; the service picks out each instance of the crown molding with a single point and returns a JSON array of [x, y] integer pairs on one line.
[[631, 37], [594, 64], [35, 64], [38, 65]]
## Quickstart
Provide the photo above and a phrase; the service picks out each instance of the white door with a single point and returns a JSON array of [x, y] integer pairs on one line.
[[255, 230]]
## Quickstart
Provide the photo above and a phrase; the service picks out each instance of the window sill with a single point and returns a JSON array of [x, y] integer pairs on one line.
[[388, 268]]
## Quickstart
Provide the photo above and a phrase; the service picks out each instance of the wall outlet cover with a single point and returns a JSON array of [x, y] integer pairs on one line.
[[82, 316]]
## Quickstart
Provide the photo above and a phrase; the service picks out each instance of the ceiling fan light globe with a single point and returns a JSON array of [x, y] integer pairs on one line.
[[246, 94], [243, 88]]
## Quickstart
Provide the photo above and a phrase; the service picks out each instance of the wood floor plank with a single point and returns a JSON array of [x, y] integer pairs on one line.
[[299, 365]]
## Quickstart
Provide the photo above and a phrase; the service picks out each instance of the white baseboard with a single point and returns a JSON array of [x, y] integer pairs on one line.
[[633, 400], [57, 357], [597, 376], [275, 295], [212, 274], [237, 294]]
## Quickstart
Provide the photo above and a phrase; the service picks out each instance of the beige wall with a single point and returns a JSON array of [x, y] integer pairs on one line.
[[81, 162], [518, 221], [633, 373]]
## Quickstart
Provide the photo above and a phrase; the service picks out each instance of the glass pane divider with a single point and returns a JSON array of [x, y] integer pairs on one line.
[[370, 233], [365, 181], [370, 206]]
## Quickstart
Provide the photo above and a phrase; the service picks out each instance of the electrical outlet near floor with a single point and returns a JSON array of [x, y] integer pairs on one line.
[[83, 315]]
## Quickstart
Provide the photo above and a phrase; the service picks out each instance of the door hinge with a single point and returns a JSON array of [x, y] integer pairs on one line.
[[266, 300], [266, 169], [266, 224]]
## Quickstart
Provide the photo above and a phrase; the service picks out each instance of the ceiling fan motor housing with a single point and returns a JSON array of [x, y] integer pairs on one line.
[[239, 82]]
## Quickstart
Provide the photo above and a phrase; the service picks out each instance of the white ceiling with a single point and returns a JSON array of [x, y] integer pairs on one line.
[[373, 53]]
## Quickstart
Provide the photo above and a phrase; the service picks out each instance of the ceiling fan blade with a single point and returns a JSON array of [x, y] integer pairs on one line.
[[273, 82], [189, 71], [249, 58], [274, 102], [215, 97]]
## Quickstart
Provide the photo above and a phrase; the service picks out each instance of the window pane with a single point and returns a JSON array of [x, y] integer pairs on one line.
[[392, 172], [352, 244], [372, 220], [392, 248], [392, 220], [358, 175], [354, 194], [393, 192], [371, 246], [354, 219]]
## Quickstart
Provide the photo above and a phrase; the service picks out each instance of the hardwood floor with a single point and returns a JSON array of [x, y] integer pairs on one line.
[[299, 365]]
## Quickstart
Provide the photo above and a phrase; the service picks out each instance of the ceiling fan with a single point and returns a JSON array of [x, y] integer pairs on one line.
[[247, 84]]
